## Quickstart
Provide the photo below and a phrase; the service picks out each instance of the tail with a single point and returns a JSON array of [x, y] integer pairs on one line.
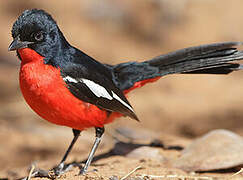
[[205, 59]]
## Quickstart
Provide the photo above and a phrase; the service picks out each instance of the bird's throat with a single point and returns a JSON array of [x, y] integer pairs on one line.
[[29, 55]]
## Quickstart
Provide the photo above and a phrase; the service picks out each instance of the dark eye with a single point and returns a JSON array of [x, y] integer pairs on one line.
[[38, 36]]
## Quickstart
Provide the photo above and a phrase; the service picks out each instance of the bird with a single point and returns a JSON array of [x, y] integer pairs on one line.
[[67, 87]]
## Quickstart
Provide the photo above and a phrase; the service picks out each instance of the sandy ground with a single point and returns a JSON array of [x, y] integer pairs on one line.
[[176, 110]]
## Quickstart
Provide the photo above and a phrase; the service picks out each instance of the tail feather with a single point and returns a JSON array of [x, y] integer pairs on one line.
[[203, 51], [223, 69], [205, 59]]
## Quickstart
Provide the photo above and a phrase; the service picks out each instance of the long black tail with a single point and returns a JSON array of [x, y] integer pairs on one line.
[[205, 59]]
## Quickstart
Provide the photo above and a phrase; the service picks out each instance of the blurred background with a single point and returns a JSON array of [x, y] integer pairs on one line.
[[114, 31]]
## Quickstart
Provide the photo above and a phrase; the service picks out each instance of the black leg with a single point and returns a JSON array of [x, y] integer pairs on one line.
[[99, 131], [60, 168], [76, 134]]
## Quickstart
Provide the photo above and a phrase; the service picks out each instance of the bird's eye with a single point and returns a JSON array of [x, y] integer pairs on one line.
[[38, 36]]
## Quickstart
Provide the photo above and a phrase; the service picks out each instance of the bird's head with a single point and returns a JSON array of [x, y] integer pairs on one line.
[[37, 30]]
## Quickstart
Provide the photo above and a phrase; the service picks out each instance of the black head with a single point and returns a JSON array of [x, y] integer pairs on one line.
[[37, 30]]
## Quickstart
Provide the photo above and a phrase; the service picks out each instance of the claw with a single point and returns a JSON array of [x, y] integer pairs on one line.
[[62, 168], [59, 169], [82, 171]]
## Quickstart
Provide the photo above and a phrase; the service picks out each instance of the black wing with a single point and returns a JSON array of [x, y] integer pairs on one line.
[[92, 82]]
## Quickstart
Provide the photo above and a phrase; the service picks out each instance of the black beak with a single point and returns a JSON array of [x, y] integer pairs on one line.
[[17, 44]]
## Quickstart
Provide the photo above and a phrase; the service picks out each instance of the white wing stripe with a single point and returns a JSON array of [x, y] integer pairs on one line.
[[121, 101], [97, 89], [70, 79]]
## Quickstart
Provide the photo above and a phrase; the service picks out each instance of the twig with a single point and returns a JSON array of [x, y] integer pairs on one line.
[[177, 176], [31, 171], [237, 173], [130, 173]]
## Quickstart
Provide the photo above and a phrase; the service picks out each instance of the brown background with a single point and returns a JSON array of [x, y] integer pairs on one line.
[[114, 31]]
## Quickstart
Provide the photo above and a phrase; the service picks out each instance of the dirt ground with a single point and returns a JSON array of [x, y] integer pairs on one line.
[[175, 110]]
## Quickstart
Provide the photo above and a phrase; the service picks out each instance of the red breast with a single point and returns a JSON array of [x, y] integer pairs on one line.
[[46, 93]]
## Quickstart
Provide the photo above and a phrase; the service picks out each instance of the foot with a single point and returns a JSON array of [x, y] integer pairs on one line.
[[61, 169], [84, 171], [53, 173]]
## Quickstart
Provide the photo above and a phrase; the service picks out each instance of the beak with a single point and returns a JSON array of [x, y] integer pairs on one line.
[[17, 44]]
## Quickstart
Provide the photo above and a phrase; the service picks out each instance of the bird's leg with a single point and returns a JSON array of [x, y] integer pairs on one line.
[[99, 131], [61, 167]]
